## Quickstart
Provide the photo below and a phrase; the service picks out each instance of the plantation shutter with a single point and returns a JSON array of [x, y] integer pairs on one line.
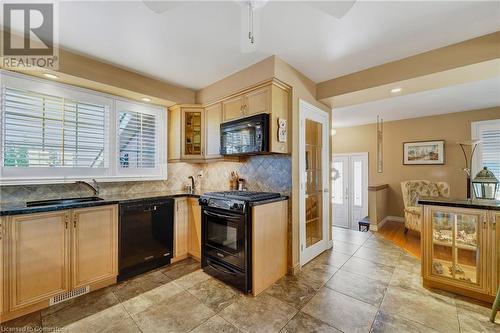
[[137, 138], [41, 130], [489, 150]]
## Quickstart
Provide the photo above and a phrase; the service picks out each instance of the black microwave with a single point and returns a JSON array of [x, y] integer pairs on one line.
[[246, 136]]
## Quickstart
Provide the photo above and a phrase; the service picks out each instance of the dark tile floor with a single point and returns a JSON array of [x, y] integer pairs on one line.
[[365, 284]]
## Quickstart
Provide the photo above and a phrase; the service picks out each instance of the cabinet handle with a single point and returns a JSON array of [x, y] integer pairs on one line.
[[75, 218], [484, 221]]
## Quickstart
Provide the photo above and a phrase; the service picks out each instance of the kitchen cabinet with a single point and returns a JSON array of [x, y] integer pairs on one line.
[[187, 229], [213, 119], [194, 229], [272, 98], [39, 257], [2, 279], [495, 253], [232, 108], [180, 229], [51, 255], [192, 132], [194, 129], [460, 250], [94, 245], [269, 236]]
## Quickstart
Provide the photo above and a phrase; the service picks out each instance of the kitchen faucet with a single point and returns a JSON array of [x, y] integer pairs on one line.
[[94, 187], [193, 185]]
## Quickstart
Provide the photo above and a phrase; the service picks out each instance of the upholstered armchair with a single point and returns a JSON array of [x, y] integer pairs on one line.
[[412, 190]]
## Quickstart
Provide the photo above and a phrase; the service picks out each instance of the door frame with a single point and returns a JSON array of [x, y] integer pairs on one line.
[[364, 156], [309, 111]]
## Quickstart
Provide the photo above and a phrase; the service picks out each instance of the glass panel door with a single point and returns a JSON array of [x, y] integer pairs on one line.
[[314, 186], [456, 246], [192, 133]]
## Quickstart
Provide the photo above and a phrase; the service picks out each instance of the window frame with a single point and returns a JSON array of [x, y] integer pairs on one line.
[[110, 173], [478, 154]]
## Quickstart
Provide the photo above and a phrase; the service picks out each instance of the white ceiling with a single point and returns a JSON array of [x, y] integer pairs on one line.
[[470, 96], [198, 43]]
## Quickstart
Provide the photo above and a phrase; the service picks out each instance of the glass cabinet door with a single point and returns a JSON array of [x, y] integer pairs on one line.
[[193, 133], [457, 246]]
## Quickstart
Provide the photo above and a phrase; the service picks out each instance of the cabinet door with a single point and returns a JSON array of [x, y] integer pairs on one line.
[[39, 257], [258, 101], [495, 252], [181, 228], [94, 245], [3, 221], [174, 134], [232, 108], [194, 228], [192, 133], [213, 118], [456, 248]]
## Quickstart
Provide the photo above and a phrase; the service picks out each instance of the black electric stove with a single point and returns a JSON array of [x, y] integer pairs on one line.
[[226, 235]]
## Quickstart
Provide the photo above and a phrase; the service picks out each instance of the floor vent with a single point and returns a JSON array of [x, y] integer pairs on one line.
[[69, 295]]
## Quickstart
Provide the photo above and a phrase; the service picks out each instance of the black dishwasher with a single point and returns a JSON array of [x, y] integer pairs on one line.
[[146, 235]]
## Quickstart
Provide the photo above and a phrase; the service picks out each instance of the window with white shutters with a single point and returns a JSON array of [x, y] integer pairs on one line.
[[488, 150], [56, 132], [41, 130]]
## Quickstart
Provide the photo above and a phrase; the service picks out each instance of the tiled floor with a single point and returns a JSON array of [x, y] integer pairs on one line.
[[364, 284]]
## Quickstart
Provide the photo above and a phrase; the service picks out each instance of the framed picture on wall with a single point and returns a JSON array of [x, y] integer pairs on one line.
[[423, 152]]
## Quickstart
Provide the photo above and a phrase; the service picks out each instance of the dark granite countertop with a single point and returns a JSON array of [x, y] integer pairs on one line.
[[17, 208], [461, 203]]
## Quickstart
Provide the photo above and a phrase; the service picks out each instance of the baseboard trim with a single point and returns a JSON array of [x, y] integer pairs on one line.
[[399, 219]]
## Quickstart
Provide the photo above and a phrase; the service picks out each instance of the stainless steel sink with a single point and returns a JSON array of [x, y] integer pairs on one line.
[[66, 201]]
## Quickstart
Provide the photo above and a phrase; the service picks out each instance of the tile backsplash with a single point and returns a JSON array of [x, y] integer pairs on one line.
[[268, 173]]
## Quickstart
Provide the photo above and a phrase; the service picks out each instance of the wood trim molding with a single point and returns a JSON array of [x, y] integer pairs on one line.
[[461, 54], [378, 187]]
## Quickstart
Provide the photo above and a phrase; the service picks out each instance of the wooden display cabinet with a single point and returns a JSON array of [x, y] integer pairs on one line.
[[460, 250]]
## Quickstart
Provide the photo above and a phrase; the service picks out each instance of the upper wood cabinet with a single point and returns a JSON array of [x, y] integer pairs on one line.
[[232, 108], [192, 132], [189, 142], [39, 257], [213, 119], [94, 245]]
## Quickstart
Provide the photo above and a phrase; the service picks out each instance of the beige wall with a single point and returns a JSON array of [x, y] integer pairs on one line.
[[451, 127]]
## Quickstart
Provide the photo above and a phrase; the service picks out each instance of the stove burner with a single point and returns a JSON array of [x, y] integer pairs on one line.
[[242, 195], [236, 201]]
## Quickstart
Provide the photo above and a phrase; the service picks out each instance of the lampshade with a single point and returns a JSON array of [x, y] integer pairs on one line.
[[485, 184]]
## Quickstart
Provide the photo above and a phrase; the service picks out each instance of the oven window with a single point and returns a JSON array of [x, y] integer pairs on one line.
[[222, 236]]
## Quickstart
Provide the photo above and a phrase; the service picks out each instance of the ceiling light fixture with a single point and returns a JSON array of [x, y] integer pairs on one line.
[[146, 99], [50, 76], [395, 90]]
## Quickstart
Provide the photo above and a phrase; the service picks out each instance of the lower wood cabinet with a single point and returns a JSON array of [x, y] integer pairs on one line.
[[194, 230], [187, 229], [48, 254], [38, 257], [94, 244], [460, 250], [181, 220]]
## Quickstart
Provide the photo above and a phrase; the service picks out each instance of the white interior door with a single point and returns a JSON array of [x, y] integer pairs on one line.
[[350, 194], [314, 183], [340, 195]]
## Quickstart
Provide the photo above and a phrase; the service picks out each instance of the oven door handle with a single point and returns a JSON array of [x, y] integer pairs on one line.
[[220, 268], [223, 216]]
